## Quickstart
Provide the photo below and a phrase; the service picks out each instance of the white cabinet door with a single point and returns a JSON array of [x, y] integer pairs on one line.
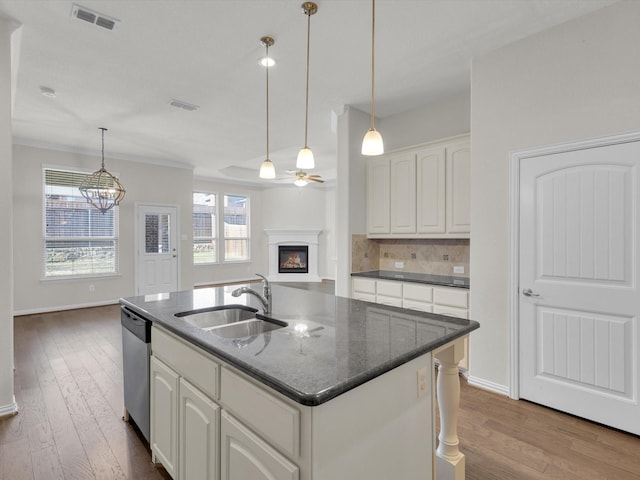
[[246, 456], [164, 415], [402, 169], [378, 200], [199, 432], [458, 188], [431, 198]]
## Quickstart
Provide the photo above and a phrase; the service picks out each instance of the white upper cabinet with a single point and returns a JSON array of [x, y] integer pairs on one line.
[[458, 187], [378, 201], [402, 169], [431, 206], [420, 192]]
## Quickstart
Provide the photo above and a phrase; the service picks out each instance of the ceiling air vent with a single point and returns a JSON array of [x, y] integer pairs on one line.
[[91, 16], [184, 105]]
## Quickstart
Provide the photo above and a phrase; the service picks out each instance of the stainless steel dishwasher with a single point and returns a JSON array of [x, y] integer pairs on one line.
[[136, 348]]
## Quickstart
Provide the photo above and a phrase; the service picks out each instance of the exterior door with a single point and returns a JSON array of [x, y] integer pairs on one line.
[[157, 249], [579, 270]]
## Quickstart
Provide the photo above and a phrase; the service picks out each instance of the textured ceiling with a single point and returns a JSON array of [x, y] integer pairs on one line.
[[206, 53]]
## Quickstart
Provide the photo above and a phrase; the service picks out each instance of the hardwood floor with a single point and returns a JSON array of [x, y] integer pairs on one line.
[[68, 385]]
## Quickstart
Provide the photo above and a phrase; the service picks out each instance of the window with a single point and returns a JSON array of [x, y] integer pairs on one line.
[[231, 218], [205, 229], [79, 240], [236, 228]]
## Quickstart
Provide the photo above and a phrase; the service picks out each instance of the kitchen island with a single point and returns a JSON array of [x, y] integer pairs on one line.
[[344, 390]]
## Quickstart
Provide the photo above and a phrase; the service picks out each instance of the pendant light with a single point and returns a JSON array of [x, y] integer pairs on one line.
[[101, 189], [372, 143], [267, 169], [305, 155]]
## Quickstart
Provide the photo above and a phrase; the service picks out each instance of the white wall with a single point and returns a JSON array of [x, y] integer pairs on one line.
[[144, 183], [444, 118], [7, 401], [575, 81]]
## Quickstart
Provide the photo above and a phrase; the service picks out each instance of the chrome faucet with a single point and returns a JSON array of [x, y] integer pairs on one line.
[[265, 298]]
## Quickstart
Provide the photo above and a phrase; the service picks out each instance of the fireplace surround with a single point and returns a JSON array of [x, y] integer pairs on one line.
[[302, 246]]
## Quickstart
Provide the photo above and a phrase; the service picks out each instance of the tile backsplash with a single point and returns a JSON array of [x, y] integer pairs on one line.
[[433, 256]]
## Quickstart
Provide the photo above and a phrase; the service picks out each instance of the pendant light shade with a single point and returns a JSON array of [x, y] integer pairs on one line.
[[372, 143], [101, 189], [305, 156], [267, 169]]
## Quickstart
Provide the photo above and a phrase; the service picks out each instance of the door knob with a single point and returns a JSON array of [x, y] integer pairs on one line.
[[527, 292]]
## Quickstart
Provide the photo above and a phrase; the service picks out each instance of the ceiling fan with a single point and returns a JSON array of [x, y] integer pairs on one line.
[[302, 177]]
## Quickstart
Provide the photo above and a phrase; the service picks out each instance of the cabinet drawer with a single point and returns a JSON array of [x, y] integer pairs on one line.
[[367, 297], [274, 420], [414, 305], [389, 289], [453, 297], [364, 285], [391, 301], [420, 293], [201, 370], [451, 311]]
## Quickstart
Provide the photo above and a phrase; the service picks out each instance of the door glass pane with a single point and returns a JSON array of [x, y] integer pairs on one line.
[[156, 228]]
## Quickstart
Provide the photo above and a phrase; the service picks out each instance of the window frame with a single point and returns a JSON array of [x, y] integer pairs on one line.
[[44, 239], [221, 238], [216, 237], [247, 198]]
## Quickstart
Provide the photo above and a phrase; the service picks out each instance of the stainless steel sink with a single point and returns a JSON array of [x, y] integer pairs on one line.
[[231, 321], [218, 316], [246, 328]]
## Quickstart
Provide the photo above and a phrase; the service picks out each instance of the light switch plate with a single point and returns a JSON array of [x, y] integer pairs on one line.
[[458, 269]]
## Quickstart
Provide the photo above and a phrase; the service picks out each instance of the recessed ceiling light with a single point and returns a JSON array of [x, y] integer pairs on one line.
[[48, 92], [267, 62]]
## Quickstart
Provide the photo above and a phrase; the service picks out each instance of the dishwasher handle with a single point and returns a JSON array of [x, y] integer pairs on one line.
[[136, 324]]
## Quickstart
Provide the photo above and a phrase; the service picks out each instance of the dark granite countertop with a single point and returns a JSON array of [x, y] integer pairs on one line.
[[329, 347], [444, 280]]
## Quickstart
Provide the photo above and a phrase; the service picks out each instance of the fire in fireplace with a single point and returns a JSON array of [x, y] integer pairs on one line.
[[293, 259]]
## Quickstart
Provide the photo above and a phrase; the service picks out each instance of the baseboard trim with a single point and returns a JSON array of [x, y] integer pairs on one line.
[[10, 409], [488, 385], [35, 311]]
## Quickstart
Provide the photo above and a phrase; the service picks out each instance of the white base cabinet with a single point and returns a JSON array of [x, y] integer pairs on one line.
[[442, 300], [247, 456], [199, 428], [235, 428]]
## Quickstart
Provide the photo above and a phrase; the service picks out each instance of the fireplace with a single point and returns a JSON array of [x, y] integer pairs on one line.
[[293, 259], [299, 244]]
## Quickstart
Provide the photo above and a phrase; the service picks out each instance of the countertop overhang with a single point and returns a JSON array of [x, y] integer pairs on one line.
[[331, 344]]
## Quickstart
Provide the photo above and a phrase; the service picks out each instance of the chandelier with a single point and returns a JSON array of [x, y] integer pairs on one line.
[[101, 189]]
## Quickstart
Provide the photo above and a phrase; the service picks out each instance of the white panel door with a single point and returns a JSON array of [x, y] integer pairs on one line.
[[157, 249], [579, 299]]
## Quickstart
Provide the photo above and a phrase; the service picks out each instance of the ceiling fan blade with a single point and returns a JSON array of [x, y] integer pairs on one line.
[[319, 180]]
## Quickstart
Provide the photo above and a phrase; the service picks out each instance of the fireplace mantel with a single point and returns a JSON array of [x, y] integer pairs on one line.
[[293, 237]]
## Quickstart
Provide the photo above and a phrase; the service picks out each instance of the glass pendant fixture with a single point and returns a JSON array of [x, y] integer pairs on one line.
[[267, 169], [101, 189], [305, 155], [372, 143]]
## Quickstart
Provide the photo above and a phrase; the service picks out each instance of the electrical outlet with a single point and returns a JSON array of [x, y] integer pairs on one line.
[[92, 288], [399, 264], [422, 381], [458, 269]]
